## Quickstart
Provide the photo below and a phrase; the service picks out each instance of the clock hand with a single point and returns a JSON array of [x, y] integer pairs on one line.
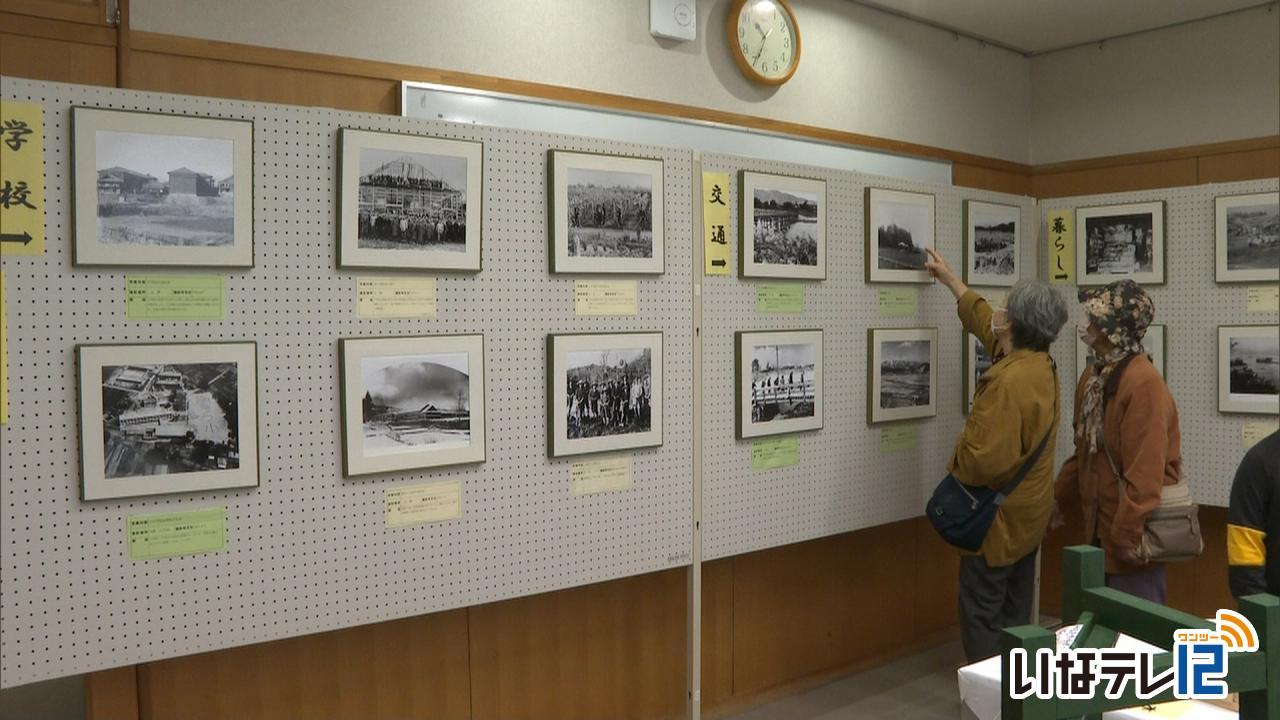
[[760, 30], [762, 44]]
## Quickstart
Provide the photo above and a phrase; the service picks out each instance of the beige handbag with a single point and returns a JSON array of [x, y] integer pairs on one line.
[[1172, 531]]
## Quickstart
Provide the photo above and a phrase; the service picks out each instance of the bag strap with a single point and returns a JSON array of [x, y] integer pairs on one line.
[[1012, 485]]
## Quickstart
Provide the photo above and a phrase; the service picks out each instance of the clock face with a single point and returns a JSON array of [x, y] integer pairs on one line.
[[767, 39]]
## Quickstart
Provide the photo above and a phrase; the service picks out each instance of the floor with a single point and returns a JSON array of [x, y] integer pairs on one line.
[[917, 687]]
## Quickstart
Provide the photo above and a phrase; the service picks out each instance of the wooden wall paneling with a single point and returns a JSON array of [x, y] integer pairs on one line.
[[260, 83], [1121, 178], [330, 65], [411, 668], [111, 694], [881, 582], [1233, 167], [984, 178], [124, 44], [717, 633], [1211, 588], [56, 50], [791, 612], [937, 584], [90, 12], [824, 605], [614, 649]]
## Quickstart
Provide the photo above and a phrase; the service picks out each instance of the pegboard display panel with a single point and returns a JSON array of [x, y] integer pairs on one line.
[[308, 551], [1191, 305], [843, 481]]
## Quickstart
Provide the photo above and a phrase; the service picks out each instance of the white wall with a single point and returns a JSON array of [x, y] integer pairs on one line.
[[861, 70], [1206, 82]]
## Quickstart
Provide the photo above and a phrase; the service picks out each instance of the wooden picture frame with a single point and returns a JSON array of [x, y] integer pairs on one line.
[[976, 363], [420, 401], [997, 228], [1249, 369], [124, 214], [787, 217], [598, 214], [1247, 237], [908, 398], [158, 419], [1115, 242], [900, 226], [409, 202], [604, 392], [783, 397]]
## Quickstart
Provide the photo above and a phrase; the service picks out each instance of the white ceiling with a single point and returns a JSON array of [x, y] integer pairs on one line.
[[1037, 26]]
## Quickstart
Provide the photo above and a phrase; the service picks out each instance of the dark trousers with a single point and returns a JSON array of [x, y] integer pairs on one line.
[[991, 599], [1150, 583]]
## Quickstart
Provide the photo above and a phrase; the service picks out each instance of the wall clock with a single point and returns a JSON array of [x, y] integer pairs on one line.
[[764, 39]]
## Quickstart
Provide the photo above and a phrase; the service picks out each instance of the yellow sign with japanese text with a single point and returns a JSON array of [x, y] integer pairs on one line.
[[716, 254], [1062, 247], [601, 475], [21, 178], [605, 297]]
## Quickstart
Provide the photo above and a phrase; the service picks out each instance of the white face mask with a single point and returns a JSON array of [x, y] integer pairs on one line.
[[1084, 333], [997, 329]]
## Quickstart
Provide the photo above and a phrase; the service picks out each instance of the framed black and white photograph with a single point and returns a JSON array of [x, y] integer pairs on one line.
[[167, 418], [1114, 242], [604, 392], [779, 382], [408, 202], [902, 374], [992, 233], [1247, 237], [606, 214], [782, 227], [1249, 369], [411, 402], [977, 361], [900, 227], [1155, 342], [152, 189]]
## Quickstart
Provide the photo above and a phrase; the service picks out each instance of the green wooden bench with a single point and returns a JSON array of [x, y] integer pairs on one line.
[[1103, 613]]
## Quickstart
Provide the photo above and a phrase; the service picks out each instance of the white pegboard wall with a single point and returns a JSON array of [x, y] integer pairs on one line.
[[842, 482], [307, 551], [1191, 305]]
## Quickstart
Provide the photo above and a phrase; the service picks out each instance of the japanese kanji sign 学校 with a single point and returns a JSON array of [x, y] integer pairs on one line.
[[21, 179]]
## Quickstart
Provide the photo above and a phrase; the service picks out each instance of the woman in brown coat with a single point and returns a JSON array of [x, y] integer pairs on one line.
[[1125, 420]]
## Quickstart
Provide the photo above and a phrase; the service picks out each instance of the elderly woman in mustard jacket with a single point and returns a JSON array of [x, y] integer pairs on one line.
[[1016, 404]]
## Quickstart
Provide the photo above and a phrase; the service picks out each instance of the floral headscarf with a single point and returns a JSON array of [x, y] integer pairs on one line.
[[1123, 311]]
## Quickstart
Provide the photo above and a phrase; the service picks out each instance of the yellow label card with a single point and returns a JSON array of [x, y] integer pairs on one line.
[[1255, 431], [899, 302], [393, 297], [605, 297], [773, 453], [173, 297], [415, 504], [1264, 299], [716, 253], [4, 354], [1062, 247], [601, 475], [897, 438], [780, 298], [21, 178], [178, 533]]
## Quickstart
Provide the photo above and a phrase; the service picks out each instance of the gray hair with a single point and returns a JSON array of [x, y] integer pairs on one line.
[[1036, 313]]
